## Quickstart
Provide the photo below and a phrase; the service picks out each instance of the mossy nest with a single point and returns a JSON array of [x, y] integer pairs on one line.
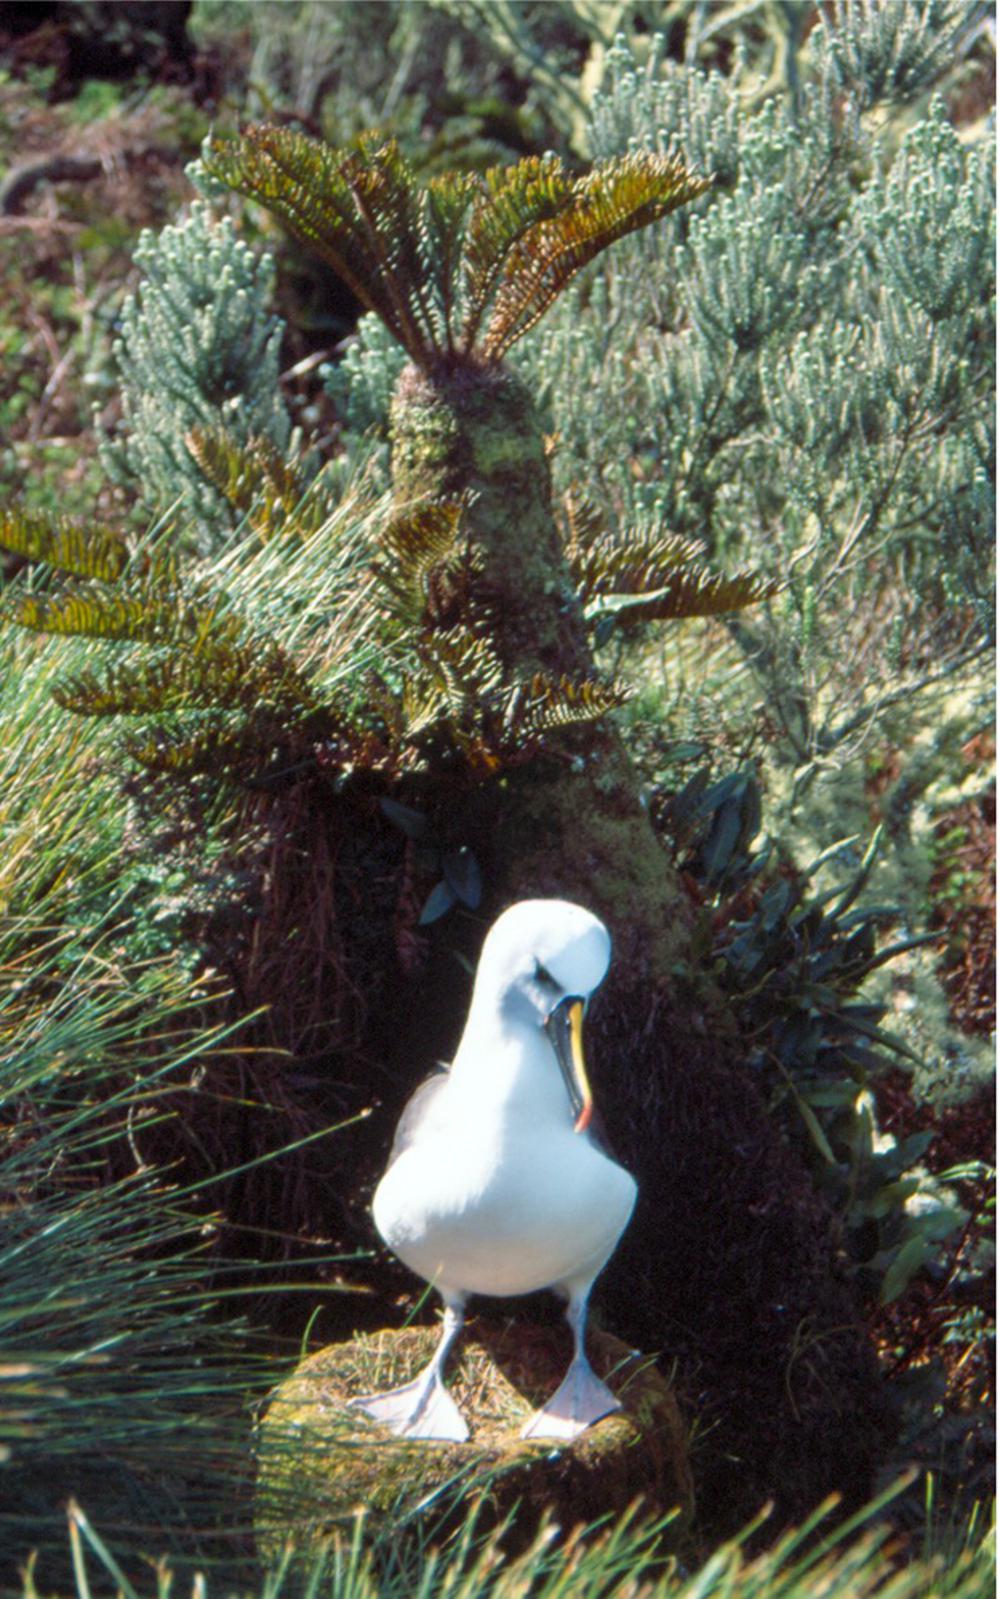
[[319, 1464]]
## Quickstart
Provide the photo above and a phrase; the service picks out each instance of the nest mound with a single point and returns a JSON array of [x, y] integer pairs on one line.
[[319, 1464]]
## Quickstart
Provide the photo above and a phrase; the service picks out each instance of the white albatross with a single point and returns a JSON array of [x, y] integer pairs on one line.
[[497, 1183]]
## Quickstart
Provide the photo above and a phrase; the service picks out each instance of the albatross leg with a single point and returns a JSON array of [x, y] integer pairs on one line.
[[581, 1398], [423, 1408]]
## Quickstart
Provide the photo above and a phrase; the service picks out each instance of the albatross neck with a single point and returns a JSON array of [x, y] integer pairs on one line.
[[505, 1061]]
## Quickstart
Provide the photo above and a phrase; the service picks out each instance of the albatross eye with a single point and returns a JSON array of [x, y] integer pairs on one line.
[[545, 978]]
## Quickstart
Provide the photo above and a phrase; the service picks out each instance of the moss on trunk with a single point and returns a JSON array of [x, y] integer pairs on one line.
[[573, 825]]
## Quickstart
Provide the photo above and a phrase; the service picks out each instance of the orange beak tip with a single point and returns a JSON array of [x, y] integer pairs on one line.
[[583, 1120]]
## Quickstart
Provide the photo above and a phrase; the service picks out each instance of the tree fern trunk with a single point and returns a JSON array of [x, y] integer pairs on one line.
[[574, 826]]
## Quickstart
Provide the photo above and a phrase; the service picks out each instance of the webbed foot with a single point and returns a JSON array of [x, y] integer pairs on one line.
[[419, 1409], [580, 1400]]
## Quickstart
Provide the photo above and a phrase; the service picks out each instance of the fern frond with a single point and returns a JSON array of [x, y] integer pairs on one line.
[[465, 667], [545, 704], [213, 748], [614, 199], [68, 546], [583, 524], [511, 201], [502, 246], [414, 544], [94, 615], [446, 204], [688, 591], [259, 480], [602, 564], [227, 677], [430, 576], [357, 209], [648, 577], [149, 611]]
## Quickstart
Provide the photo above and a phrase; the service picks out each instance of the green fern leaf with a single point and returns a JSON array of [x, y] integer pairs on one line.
[[69, 546], [446, 204]]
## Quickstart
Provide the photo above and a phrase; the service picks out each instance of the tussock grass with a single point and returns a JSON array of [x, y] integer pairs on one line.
[[858, 1560], [127, 1373]]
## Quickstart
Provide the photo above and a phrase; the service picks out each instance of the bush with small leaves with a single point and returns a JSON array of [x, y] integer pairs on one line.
[[199, 347]]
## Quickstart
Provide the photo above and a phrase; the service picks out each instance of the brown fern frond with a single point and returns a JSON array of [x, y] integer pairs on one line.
[[413, 545], [94, 615], [423, 708], [634, 563], [583, 526], [545, 704], [614, 199], [511, 201], [445, 209], [431, 577], [69, 546], [465, 667], [658, 579], [262, 748], [643, 576], [359, 210], [500, 247], [149, 610], [246, 677], [690, 591], [217, 748]]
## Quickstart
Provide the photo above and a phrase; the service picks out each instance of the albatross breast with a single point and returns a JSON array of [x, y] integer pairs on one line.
[[465, 1212]]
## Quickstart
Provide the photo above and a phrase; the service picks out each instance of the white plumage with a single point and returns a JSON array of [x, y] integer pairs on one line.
[[496, 1185]]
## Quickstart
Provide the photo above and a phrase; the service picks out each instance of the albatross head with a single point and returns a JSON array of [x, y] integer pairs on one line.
[[541, 961]]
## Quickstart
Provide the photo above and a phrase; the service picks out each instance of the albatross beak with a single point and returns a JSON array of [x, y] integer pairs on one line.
[[565, 1029]]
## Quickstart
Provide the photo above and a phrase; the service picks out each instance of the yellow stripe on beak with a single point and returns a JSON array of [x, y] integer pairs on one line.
[[579, 1066], [565, 1030]]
